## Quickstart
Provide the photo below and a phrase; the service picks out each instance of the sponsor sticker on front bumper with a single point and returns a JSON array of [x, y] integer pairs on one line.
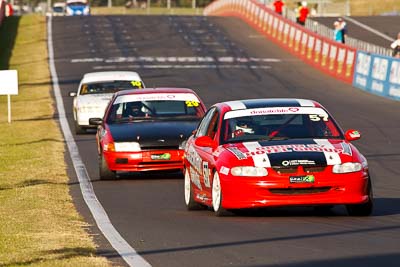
[[302, 179], [165, 156]]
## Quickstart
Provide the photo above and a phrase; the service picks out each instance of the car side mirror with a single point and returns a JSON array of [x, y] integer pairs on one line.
[[95, 121], [205, 141], [72, 93], [352, 135]]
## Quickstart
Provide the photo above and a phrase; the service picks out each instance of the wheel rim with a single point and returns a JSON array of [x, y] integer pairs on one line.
[[187, 188], [216, 192]]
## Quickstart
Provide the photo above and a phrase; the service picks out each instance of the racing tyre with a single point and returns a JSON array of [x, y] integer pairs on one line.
[[104, 171], [79, 129], [217, 196], [191, 204], [364, 209]]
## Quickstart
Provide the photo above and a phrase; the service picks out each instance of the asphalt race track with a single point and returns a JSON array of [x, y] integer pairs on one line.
[[224, 59]]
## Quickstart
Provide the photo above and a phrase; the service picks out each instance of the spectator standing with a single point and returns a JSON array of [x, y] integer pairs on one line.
[[396, 47], [343, 25], [337, 32], [303, 13], [278, 5]]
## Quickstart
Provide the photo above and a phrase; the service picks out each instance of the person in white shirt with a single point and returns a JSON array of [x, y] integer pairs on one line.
[[396, 47]]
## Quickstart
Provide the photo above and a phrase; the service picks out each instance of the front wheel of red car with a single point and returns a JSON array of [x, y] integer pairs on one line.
[[364, 209], [104, 171], [217, 196], [191, 204]]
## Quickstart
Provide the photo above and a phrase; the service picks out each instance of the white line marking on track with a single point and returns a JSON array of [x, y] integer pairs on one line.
[[174, 59], [368, 28], [183, 67], [131, 257]]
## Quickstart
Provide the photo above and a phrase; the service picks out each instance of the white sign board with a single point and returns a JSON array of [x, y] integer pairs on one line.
[[8, 82]]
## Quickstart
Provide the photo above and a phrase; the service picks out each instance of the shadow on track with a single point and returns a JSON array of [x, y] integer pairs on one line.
[[387, 260], [273, 239]]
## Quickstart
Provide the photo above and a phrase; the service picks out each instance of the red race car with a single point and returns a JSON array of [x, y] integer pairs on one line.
[[274, 152], [146, 130]]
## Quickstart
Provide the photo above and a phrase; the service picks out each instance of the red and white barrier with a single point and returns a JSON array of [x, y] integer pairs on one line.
[[333, 58]]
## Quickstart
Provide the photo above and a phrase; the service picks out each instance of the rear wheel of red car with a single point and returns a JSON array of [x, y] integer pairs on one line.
[[104, 171], [191, 204], [217, 196], [364, 209]]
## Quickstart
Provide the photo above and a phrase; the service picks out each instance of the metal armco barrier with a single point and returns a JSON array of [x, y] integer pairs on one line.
[[378, 74], [2, 11], [331, 57], [352, 42]]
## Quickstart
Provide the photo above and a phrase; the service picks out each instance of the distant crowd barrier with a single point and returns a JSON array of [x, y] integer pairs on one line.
[[378, 74], [2, 11], [327, 55], [333, 58]]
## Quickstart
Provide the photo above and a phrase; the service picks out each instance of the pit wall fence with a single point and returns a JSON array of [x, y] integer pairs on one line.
[[378, 74], [370, 72]]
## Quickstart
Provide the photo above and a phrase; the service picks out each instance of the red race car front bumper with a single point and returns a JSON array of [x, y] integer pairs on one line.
[[146, 160], [328, 189]]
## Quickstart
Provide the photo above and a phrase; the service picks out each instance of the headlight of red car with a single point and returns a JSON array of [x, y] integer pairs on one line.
[[347, 167], [249, 171], [127, 147]]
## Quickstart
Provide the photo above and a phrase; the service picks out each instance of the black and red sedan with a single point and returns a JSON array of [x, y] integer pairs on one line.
[[146, 130]]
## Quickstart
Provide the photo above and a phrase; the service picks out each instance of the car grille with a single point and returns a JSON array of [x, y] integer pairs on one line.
[[294, 169], [299, 191]]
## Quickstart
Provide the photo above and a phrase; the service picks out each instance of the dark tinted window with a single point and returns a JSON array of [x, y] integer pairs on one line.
[[58, 9], [109, 87], [160, 109], [204, 125], [278, 126]]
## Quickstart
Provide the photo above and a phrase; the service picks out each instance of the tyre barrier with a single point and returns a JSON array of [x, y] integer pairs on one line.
[[335, 59]]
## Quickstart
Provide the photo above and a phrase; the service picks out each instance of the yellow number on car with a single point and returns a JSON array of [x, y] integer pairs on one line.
[[137, 84], [192, 103]]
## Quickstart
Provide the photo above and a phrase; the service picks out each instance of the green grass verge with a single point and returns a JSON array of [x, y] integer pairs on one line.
[[118, 10], [39, 225]]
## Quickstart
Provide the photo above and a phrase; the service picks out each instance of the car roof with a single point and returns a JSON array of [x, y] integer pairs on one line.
[[156, 91], [110, 76], [269, 102]]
